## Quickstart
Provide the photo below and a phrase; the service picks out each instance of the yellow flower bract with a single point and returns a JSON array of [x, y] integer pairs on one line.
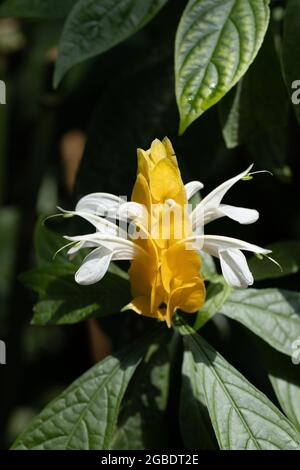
[[168, 277]]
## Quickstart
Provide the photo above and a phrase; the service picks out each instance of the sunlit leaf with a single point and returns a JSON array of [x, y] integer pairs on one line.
[[84, 416], [216, 42], [243, 418], [272, 314]]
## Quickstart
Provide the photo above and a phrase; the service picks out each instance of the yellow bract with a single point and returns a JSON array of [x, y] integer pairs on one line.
[[168, 277]]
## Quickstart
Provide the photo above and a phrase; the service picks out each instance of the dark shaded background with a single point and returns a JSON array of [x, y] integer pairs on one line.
[[118, 102]]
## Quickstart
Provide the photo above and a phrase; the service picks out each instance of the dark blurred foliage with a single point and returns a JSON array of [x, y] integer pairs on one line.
[[121, 100]]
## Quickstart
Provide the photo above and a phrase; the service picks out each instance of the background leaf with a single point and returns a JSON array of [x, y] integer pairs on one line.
[[272, 314], [84, 416], [63, 301], [286, 253], [46, 244], [250, 115], [103, 161], [243, 418], [216, 42], [9, 224], [94, 27], [36, 8]]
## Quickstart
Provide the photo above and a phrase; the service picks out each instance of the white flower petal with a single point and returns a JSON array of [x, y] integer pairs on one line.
[[235, 268], [215, 243], [94, 266], [101, 224], [239, 214], [214, 198], [99, 203], [132, 211], [125, 248], [77, 247], [233, 262], [209, 206], [192, 188]]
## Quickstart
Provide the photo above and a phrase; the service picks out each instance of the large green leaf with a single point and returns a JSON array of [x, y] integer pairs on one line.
[[286, 253], [243, 418], [216, 42], [195, 424], [291, 51], [272, 314], [84, 416], [285, 379], [94, 27], [62, 301], [36, 8], [146, 401]]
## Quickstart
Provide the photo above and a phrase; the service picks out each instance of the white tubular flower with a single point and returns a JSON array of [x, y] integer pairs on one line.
[[160, 237], [233, 262], [99, 203], [107, 248], [211, 207]]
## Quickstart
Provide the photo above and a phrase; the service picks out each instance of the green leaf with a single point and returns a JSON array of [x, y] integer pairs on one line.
[[272, 314], [36, 8], [46, 244], [195, 424], [93, 27], [63, 301], [243, 418], [84, 416], [286, 253], [285, 379], [216, 42], [208, 267], [291, 51], [241, 121], [217, 293], [146, 402]]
